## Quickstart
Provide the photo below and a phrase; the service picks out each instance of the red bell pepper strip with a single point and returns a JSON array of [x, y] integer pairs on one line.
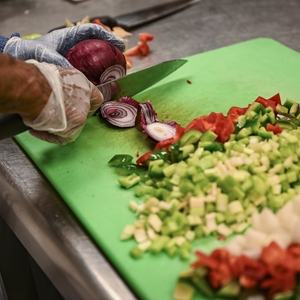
[[144, 159]]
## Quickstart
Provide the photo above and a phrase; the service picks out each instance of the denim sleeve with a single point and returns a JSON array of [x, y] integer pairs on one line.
[[3, 40]]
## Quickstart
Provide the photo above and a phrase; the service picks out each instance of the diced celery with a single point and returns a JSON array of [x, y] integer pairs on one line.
[[169, 170], [222, 202], [208, 136], [183, 290], [184, 253], [220, 217], [186, 186], [136, 252], [235, 207], [158, 244], [190, 137], [129, 181], [140, 234], [224, 230], [207, 162], [171, 251], [186, 150], [194, 220], [190, 235], [210, 220], [155, 222], [127, 232], [239, 227]]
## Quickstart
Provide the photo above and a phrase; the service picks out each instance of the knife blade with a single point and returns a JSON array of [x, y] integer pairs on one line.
[[129, 85], [138, 81], [132, 20]]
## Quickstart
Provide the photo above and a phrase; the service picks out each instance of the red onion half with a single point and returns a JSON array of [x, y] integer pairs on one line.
[[98, 60], [118, 113]]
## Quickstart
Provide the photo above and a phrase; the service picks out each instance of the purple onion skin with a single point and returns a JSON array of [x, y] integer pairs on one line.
[[92, 57]]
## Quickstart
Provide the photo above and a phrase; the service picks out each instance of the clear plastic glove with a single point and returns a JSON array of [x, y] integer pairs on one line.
[[52, 47], [72, 100]]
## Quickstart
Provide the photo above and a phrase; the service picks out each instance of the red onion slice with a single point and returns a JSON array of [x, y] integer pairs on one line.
[[160, 131], [118, 113], [112, 73], [131, 101], [148, 114]]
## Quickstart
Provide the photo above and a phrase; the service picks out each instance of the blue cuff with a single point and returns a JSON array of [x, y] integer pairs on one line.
[[3, 40]]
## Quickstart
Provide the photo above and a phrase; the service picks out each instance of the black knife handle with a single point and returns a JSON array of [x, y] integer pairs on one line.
[[106, 20], [11, 125]]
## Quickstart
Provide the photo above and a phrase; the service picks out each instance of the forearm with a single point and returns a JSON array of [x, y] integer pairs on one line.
[[23, 88]]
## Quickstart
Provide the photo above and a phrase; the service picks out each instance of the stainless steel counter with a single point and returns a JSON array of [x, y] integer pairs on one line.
[[28, 203]]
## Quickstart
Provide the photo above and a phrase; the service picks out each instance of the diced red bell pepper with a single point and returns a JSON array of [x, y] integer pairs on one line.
[[280, 284], [294, 251], [247, 282], [234, 112], [216, 122], [272, 254], [221, 276], [266, 102], [276, 129], [221, 255], [235, 270], [196, 124], [205, 260], [226, 128], [276, 98], [250, 268]]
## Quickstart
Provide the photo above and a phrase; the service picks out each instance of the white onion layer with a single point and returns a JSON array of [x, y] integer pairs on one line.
[[160, 131]]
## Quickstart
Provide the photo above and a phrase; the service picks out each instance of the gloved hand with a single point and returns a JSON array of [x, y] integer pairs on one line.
[[53, 46], [72, 100]]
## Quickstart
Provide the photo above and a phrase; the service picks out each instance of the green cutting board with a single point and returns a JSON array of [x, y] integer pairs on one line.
[[210, 81]]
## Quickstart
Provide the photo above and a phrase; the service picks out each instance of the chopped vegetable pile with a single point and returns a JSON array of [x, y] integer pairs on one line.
[[212, 178]]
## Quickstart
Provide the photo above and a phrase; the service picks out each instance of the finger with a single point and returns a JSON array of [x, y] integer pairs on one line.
[[96, 100], [49, 137], [25, 50], [64, 39]]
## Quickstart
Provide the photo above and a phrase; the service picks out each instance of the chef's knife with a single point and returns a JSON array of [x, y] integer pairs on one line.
[[129, 85], [132, 20]]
